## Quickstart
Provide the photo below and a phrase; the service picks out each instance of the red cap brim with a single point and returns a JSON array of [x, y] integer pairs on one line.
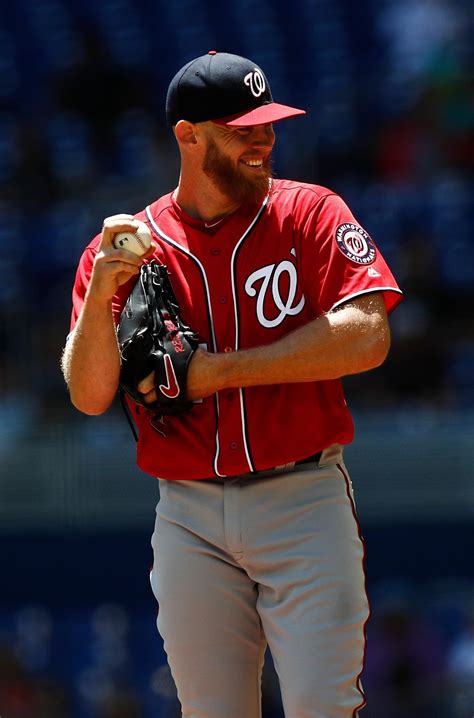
[[272, 112]]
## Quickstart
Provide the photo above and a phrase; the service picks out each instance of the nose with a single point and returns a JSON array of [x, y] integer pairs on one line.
[[263, 136]]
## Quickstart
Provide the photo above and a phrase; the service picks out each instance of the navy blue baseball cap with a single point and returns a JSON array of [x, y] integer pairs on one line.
[[227, 89]]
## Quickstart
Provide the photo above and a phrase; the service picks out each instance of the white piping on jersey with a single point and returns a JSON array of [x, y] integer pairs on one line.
[[236, 319], [173, 242], [365, 291], [216, 456], [167, 239], [232, 261], [176, 244]]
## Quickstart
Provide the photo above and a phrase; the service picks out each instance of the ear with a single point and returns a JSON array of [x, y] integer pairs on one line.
[[185, 133]]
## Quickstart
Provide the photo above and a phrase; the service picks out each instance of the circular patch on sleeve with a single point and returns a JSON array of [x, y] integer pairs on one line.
[[355, 243]]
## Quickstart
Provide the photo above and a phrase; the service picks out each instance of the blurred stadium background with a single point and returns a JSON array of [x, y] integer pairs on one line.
[[389, 89]]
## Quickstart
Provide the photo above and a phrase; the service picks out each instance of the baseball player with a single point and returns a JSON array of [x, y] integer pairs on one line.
[[256, 539]]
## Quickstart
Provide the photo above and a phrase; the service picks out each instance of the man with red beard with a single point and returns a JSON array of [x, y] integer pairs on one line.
[[256, 540]]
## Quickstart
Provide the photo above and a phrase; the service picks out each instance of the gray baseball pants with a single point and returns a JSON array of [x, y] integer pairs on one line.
[[275, 558]]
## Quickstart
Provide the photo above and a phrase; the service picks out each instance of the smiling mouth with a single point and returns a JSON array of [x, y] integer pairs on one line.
[[254, 164]]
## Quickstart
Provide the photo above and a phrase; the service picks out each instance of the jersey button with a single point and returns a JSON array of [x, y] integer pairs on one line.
[[215, 251], [223, 300], [233, 445], [230, 395], [228, 349]]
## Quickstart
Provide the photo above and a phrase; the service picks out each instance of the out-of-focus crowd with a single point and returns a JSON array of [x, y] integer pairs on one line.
[[106, 662]]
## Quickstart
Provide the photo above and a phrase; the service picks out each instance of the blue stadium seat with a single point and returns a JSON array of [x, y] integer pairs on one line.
[[9, 70], [128, 41], [136, 144], [51, 26], [8, 147], [70, 147]]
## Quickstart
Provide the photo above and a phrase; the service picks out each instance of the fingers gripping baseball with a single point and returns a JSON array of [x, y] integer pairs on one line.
[[115, 265]]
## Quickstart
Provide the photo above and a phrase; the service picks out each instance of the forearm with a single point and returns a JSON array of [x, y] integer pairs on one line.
[[91, 360], [349, 341], [321, 350]]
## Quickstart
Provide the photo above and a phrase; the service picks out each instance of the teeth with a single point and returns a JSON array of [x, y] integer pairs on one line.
[[254, 163]]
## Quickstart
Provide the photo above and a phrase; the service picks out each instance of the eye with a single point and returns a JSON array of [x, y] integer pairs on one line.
[[243, 131]]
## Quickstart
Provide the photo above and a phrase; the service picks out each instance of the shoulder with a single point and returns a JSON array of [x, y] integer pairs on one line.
[[289, 188], [299, 199], [290, 193]]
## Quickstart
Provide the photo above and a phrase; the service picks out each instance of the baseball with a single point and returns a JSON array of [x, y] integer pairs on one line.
[[137, 242]]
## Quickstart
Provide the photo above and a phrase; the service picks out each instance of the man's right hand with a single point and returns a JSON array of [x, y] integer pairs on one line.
[[114, 267]]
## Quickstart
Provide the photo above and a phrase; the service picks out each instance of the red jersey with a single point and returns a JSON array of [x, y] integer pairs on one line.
[[245, 281]]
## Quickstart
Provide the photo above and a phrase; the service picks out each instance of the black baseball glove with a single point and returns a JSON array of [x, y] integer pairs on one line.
[[153, 338]]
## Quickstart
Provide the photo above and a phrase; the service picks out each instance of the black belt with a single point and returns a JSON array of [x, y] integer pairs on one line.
[[314, 458]]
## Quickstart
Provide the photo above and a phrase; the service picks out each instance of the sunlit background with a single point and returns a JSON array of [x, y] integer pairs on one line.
[[389, 90]]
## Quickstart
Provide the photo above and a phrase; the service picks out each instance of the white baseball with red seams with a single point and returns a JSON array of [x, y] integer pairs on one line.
[[138, 242]]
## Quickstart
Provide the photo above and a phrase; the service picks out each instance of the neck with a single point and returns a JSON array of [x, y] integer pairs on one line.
[[202, 200]]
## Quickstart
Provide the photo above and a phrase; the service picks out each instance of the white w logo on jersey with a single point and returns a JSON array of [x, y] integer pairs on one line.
[[256, 81], [271, 280]]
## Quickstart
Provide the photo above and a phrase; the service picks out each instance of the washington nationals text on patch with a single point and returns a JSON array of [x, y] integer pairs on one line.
[[246, 281], [355, 243]]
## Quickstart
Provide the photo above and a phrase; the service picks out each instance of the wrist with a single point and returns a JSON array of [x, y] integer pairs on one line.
[[208, 373], [97, 301], [232, 369]]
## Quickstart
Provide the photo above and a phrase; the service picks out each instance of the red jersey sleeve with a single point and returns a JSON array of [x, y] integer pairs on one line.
[[345, 258], [81, 283]]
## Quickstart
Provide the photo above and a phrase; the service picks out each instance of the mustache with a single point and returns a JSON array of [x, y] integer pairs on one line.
[[232, 181]]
